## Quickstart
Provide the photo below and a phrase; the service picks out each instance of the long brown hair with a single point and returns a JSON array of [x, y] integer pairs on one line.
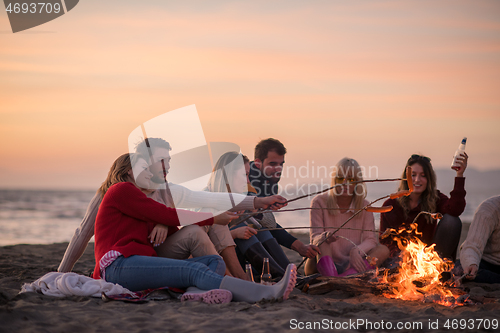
[[429, 198], [117, 173]]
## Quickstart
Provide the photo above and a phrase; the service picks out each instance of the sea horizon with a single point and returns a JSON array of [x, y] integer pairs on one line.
[[46, 216]]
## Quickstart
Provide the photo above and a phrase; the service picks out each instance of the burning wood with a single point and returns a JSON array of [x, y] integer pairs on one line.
[[420, 276]]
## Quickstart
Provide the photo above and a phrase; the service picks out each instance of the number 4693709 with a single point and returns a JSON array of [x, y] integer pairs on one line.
[[33, 8]]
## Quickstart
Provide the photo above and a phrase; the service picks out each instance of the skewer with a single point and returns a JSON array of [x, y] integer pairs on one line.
[[435, 216], [343, 224], [383, 209], [356, 246], [395, 195], [408, 180], [294, 228], [392, 196], [348, 183]]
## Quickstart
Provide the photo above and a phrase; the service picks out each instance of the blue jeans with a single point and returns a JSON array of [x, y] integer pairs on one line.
[[245, 244], [142, 272]]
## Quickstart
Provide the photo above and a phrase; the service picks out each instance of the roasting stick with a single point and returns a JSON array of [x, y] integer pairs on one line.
[[396, 195], [294, 228], [383, 209], [348, 183], [372, 209], [319, 192], [435, 216], [328, 235]]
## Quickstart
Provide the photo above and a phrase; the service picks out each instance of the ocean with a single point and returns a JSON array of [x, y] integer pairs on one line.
[[51, 216], [40, 217]]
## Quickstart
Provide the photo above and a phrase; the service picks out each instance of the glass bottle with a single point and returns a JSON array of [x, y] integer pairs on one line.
[[265, 278], [460, 150], [248, 271]]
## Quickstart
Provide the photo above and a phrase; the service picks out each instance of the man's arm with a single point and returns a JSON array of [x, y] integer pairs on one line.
[[472, 249], [185, 198]]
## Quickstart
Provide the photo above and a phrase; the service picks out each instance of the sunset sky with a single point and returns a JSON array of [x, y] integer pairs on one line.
[[373, 80]]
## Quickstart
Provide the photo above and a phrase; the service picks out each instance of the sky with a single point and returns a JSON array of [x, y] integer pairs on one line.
[[372, 80]]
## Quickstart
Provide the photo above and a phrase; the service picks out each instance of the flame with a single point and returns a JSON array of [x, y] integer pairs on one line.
[[418, 277]]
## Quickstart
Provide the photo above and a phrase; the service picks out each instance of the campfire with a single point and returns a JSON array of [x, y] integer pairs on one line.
[[420, 274]]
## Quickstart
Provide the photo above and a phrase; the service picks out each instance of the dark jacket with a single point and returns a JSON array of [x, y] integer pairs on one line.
[[265, 188]]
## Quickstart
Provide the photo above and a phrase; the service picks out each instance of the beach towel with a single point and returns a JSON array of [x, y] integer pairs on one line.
[[72, 284]]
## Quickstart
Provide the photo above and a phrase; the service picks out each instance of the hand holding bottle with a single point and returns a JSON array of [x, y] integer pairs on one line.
[[459, 162]]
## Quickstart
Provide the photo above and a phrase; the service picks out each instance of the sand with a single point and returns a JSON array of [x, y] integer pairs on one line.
[[31, 312]]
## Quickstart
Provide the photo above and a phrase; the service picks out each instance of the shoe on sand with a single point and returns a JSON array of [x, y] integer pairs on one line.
[[253, 292], [214, 296]]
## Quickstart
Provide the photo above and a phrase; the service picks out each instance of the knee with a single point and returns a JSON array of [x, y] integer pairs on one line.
[[381, 252], [310, 266], [196, 234], [246, 242], [264, 236], [450, 222], [384, 253], [218, 262], [215, 257], [384, 250]]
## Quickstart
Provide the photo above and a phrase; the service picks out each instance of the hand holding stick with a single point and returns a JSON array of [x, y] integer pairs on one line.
[[395, 195], [350, 218]]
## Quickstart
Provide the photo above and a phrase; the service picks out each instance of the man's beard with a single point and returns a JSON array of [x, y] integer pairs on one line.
[[158, 180], [271, 178]]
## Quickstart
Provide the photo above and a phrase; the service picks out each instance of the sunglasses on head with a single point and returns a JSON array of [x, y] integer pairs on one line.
[[416, 157], [340, 180]]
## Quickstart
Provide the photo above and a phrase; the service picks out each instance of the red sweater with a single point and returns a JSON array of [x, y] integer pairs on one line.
[[124, 222], [454, 206]]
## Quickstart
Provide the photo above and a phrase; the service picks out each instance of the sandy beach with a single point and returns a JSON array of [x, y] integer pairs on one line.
[[334, 311]]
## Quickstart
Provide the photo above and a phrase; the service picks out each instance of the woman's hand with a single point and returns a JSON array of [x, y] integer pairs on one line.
[[356, 260], [331, 238], [243, 232], [273, 202], [225, 218], [158, 234], [462, 164]]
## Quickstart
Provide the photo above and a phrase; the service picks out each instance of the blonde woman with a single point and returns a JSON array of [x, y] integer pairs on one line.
[[189, 241], [346, 252], [125, 255]]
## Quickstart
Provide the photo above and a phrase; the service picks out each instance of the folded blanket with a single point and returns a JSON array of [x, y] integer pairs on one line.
[[69, 284]]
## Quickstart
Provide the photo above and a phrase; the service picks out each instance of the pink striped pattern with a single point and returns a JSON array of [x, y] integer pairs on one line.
[[107, 260]]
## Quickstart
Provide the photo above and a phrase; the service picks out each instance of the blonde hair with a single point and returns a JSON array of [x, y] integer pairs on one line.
[[117, 173], [345, 168], [225, 166]]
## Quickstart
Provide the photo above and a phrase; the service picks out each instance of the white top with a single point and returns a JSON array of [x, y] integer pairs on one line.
[[483, 239]]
